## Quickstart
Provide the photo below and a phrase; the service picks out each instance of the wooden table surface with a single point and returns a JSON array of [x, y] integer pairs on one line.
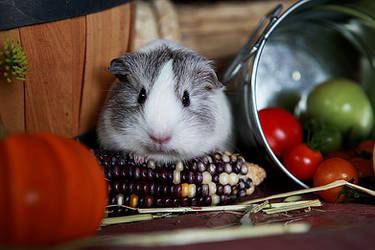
[[218, 33], [333, 226]]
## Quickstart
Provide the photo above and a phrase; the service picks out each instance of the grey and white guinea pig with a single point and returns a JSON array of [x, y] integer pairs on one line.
[[166, 104]]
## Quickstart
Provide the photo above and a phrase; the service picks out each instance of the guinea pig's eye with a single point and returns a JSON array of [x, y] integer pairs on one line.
[[186, 99], [142, 96]]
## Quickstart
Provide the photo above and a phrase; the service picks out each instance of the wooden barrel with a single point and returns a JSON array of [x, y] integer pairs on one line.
[[67, 82]]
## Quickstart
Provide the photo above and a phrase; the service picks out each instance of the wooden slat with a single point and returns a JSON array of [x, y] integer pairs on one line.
[[107, 37], [12, 95], [219, 30], [53, 85]]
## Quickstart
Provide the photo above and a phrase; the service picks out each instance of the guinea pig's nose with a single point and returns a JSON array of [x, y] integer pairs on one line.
[[160, 139]]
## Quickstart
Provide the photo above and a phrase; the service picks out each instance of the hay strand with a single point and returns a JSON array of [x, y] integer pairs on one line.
[[199, 235]]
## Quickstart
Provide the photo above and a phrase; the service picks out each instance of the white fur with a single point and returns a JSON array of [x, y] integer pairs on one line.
[[161, 111], [164, 114]]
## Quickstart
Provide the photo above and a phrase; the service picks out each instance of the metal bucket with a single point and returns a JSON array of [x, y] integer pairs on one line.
[[310, 42]]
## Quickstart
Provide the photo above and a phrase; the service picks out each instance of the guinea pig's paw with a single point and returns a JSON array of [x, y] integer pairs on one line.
[[220, 150], [139, 159]]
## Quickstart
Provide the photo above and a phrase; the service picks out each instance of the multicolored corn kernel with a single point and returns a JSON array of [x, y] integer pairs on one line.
[[218, 178]]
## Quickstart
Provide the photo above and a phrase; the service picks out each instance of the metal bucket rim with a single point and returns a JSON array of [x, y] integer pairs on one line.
[[252, 89]]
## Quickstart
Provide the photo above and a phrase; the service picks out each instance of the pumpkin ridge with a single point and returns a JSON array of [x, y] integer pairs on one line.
[[14, 210], [82, 169], [99, 189], [67, 162], [5, 197], [53, 207]]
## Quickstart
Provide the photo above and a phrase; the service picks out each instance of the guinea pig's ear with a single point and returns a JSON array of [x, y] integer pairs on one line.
[[209, 76], [119, 67]]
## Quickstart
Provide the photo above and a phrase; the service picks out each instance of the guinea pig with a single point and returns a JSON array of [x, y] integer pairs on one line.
[[166, 104]]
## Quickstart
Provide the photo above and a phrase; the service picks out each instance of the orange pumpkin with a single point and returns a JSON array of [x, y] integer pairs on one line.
[[51, 190]]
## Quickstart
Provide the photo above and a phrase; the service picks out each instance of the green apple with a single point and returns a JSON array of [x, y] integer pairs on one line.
[[344, 105]]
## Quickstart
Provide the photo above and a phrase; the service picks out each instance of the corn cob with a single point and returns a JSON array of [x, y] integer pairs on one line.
[[218, 178]]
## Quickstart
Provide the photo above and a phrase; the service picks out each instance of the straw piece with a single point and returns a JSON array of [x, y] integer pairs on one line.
[[285, 204], [193, 236], [293, 198], [242, 207], [127, 219], [185, 236], [295, 206], [259, 207], [193, 209], [334, 184], [359, 188]]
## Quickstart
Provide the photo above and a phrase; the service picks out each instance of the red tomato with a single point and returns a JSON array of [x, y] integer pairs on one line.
[[330, 170], [302, 161], [343, 154], [281, 129], [365, 148], [364, 167]]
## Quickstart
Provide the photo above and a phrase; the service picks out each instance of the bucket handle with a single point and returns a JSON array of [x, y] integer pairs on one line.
[[246, 51]]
